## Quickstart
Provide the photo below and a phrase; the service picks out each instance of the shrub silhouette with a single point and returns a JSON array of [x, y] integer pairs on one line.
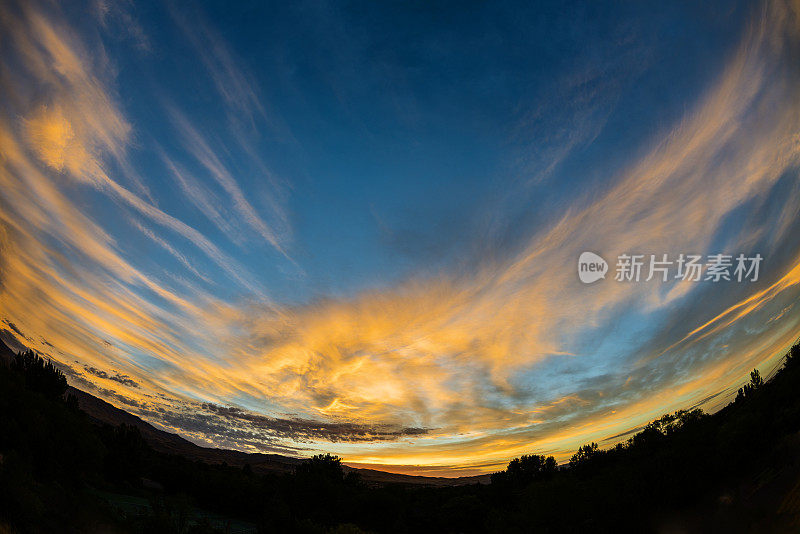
[[322, 466]]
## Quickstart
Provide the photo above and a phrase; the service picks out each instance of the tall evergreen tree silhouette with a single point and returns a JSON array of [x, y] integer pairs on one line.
[[39, 374]]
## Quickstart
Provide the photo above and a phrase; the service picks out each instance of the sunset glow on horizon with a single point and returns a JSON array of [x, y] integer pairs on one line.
[[355, 228]]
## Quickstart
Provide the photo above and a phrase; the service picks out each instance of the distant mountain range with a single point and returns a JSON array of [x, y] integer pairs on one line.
[[104, 412]]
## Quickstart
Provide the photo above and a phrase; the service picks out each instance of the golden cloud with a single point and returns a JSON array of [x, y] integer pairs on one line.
[[439, 352]]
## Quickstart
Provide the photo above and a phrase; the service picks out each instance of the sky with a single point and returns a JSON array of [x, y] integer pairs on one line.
[[355, 227]]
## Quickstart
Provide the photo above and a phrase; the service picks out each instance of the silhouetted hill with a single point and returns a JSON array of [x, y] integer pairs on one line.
[[375, 477], [63, 469], [103, 412], [167, 442]]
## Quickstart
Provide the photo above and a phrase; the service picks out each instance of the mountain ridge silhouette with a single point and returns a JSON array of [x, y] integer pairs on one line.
[[103, 412]]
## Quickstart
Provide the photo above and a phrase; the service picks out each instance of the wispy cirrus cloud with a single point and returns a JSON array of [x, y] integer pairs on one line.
[[446, 332], [243, 210], [238, 89], [471, 367], [78, 123]]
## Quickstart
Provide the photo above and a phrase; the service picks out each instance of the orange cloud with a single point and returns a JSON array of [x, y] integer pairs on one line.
[[439, 352]]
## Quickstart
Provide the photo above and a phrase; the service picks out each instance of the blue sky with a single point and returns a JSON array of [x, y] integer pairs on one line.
[[394, 132], [353, 227]]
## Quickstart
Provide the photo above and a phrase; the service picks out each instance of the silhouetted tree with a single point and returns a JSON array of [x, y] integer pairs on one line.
[[584, 454], [322, 466], [755, 383], [126, 453], [39, 374], [755, 379], [792, 357], [526, 468], [52, 457], [668, 424], [72, 403]]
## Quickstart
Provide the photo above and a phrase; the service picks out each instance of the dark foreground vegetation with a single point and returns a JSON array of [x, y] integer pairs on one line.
[[735, 471]]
